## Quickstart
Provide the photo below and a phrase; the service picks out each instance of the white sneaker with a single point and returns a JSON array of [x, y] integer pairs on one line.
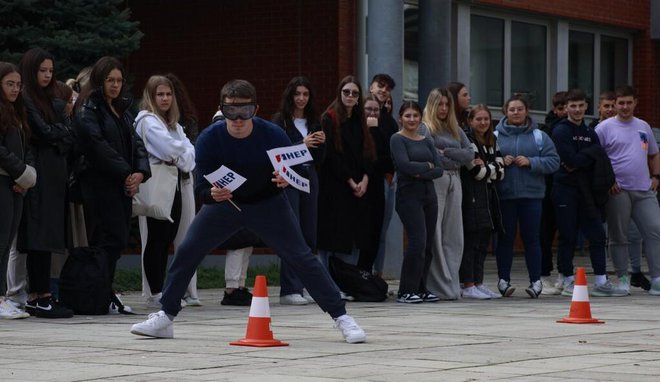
[[192, 301], [549, 287], [10, 312], [624, 284], [567, 290], [345, 297], [484, 289], [308, 296], [158, 325], [474, 293], [154, 301], [350, 329], [293, 299]]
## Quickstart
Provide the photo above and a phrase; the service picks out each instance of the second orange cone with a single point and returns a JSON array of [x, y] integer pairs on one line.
[[259, 332], [580, 312]]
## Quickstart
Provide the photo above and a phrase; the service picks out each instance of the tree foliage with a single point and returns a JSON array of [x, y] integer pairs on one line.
[[76, 32]]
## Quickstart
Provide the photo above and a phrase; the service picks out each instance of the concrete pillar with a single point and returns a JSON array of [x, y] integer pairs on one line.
[[435, 43], [385, 55]]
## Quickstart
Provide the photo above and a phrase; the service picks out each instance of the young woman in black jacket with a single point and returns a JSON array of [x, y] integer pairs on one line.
[[116, 161], [16, 172], [44, 223]]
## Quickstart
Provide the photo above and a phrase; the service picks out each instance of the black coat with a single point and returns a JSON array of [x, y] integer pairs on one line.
[[44, 225], [480, 205], [15, 153], [343, 218]]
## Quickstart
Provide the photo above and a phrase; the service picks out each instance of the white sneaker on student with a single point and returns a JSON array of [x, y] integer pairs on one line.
[[154, 301], [474, 293], [10, 312], [308, 296], [158, 325], [350, 329], [549, 287], [293, 299], [192, 301], [484, 289]]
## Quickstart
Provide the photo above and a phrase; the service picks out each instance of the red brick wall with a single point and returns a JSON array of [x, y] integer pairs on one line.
[[631, 14], [208, 42]]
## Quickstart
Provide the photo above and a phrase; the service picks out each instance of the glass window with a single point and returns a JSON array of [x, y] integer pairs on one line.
[[528, 62], [487, 60], [581, 64], [613, 62]]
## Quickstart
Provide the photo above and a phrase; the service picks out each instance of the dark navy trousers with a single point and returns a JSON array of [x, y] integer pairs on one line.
[[271, 219]]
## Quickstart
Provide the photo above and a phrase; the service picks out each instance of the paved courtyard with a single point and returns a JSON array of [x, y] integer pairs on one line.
[[513, 339]]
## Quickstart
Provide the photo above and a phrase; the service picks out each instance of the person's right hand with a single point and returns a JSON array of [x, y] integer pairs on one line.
[[372, 121], [508, 160], [220, 194]]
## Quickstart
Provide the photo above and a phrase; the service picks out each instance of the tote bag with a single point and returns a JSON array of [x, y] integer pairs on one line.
[[156, 196]]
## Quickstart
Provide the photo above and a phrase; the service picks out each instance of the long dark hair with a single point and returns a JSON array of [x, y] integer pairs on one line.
[[287, 105], [461, 114], [97, 76], [41, 97], [338, 112], [11, 114], [187, 110]]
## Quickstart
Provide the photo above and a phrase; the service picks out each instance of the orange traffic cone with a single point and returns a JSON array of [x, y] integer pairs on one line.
[[580, 312], [259, 332]]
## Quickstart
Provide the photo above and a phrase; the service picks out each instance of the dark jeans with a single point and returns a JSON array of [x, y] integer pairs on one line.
[[11, 205], [548, 233], [474, 255], [527, 212], [417, 206], [570, 211], [305, 208], [271, 219], [160, 236]]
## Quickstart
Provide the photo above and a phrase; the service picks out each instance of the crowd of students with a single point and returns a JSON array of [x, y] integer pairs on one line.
[[460, 182]]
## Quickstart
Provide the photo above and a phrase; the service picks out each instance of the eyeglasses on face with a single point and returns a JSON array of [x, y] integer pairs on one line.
[[234, 111], [13, 85], [371, 109], [350, 93], [114, 81]]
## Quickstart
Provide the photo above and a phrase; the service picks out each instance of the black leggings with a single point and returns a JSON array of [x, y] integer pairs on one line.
[[160, 235]]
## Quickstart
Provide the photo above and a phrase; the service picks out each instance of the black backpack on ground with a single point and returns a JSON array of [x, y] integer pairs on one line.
[[85, 284], [356, 282]]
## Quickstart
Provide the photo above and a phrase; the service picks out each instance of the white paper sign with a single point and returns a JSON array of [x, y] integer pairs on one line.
[[225, 178], [283, 158], [289, 155], [294, 179]]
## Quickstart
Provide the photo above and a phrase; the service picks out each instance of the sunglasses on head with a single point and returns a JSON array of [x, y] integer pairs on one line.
[[233, 111], [350, 93]]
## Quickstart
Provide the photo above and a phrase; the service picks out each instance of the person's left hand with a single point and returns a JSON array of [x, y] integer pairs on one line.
[[132, 183], [279, 181], [521, 161]]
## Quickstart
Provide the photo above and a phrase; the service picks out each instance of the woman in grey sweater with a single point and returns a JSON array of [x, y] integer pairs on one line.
[[417, 163], [440, 125]]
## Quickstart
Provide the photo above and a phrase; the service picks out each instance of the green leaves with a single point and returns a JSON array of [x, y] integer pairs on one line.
[[76, 32]]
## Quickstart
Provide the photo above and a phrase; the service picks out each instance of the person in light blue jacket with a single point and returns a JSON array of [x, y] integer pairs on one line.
[[529, 155]]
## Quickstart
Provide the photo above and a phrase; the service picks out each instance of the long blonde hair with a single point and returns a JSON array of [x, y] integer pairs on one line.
[[171, 117], [430, 118]]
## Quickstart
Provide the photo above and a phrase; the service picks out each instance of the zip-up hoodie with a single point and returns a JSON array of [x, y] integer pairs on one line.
[[525, 182]]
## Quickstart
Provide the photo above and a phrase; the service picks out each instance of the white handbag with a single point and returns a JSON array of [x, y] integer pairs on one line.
[[156, 196]]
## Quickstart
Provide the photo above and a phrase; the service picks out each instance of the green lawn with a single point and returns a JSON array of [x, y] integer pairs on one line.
[[214, 277]]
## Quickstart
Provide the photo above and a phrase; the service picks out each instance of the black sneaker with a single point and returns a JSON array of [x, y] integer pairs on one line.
[[640, 281], [47, 307], [429, 297], [239, 297], [409, 298]]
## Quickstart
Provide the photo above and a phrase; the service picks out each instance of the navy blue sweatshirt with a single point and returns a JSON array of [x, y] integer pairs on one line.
[[570, 139]]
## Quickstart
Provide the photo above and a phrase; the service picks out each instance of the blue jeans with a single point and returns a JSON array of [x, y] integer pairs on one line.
[[271, 219], [304, 206], [527, 212], [573, 216]]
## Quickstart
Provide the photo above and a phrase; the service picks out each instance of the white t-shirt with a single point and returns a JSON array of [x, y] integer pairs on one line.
[[301, 125]]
